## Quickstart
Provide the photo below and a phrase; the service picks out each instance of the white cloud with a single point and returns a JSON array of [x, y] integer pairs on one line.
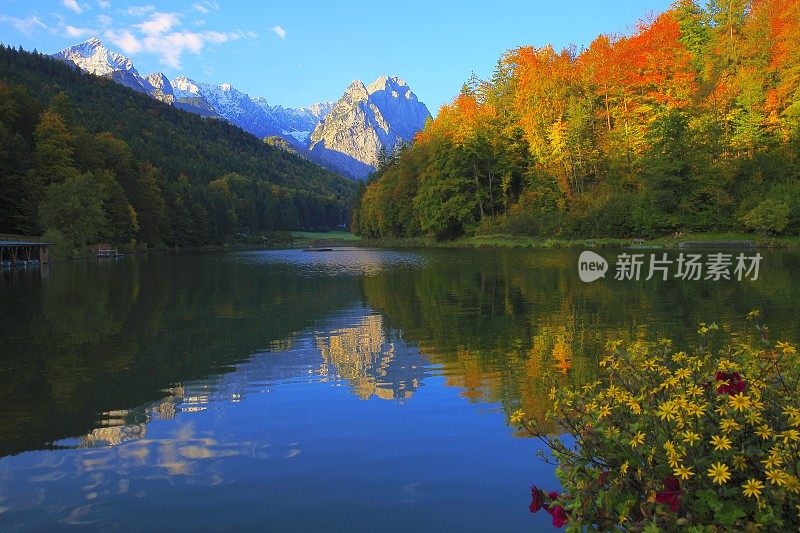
[[206, 6], [72, 31], [124, 39], [28, 26], [104, 4], [73, 5], [138, 11], [161, 34], [279, 31], [172, 46], [158, 23]]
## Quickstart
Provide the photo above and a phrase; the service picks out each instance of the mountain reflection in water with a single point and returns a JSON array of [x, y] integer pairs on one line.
[[289, 390]]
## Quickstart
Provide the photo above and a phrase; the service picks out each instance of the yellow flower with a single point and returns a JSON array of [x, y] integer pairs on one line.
[[773, 460], [624, 468], [553, 393], [694, 409], [690, 437], [720, 443], [792, 484], [517, 416], [666, 411], [776, 477], [683, 472], [790, 435], [753, 314], [753, 417], [786, 347], [694, 390], [764, 431], [794, 415], [604, 412], [637, 439], [739, 402], [682, 373], [728, 424], [719, 473], [650, 365], [739, 462], [634, 406], [752, 488], [613, 391]]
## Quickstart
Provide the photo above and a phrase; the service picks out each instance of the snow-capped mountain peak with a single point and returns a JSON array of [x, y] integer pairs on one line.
[[91, 56], [347, 136]]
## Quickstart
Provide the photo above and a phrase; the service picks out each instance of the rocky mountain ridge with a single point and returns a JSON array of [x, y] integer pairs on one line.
[[347, 136]]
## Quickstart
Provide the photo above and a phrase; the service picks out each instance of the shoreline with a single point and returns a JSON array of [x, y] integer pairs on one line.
[[502, 241]]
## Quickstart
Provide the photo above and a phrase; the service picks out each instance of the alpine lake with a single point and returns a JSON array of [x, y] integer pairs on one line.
[[282, 390]]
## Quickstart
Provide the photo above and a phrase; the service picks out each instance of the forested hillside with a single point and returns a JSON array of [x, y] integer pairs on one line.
[[689, 123], [95, 161]]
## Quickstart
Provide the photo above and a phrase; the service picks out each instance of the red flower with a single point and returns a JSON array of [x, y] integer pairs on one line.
[[537, 499], [559, 516], [538, 502], [601, 479], [733, 383], [671, 495]]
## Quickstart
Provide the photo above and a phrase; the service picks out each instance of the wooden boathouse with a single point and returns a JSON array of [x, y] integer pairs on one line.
[[17, 250]]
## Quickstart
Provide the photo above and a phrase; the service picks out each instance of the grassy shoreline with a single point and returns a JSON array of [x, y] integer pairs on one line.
[[513, 241]]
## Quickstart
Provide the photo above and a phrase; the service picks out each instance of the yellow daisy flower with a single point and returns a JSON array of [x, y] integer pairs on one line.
[[739, 402], [690, 437], [720, 443], [637, 439], [752, 488], [786, 347], [776, 477], [764, 431], [728, 424], [790, 435], [719, 473], [683, 472]]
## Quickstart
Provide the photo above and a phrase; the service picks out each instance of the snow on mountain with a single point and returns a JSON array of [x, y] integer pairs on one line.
[[91, 56], [366, 121], [162, 88], [346, 136]]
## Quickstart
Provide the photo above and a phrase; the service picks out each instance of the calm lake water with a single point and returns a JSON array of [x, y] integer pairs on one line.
[[283, 390]]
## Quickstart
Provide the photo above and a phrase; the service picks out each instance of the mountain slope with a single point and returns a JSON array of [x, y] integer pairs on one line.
[[271, 188]]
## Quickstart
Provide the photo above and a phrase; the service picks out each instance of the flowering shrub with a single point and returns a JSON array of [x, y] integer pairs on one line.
[[705, 440]]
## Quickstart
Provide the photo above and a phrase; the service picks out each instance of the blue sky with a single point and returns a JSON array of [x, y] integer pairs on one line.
[[295, 53]]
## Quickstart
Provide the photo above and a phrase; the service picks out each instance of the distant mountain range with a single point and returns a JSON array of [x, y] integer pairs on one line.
[[347, 136]]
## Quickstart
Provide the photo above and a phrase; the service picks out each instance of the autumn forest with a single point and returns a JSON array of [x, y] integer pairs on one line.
[[689, 123]]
